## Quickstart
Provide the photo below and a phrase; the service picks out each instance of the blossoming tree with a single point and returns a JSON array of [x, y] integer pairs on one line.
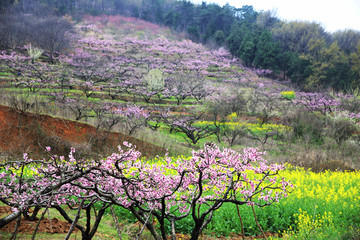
[[167, 189]]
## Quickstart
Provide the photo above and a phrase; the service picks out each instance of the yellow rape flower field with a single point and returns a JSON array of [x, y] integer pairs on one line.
[[326, 203], [322, 206], [327, 187]]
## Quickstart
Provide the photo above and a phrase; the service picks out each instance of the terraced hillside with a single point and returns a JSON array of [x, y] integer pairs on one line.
[[133, 80], [138, 78]]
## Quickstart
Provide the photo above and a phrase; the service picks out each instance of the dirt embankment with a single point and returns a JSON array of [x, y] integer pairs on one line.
[[28, 132]]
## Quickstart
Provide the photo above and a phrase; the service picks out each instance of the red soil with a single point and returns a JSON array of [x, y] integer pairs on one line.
[[28, 132], [53, 226]]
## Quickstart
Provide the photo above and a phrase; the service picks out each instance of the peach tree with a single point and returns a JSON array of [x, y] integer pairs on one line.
[[157, 192]]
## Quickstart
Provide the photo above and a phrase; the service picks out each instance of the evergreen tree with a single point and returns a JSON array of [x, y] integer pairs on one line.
[[219, 37], [267, 52], [247, 49], [299, 69], [235, 38]]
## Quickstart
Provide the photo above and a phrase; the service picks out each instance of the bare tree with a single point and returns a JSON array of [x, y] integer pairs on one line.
[[13, 31], [265, 103], [52, 34], [30, 22]]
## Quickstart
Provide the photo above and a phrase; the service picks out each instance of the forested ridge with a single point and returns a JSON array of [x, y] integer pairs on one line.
[[301, 51]]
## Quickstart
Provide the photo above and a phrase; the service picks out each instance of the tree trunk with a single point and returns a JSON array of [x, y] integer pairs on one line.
[[9, 219], [85, 236], [196, 232]]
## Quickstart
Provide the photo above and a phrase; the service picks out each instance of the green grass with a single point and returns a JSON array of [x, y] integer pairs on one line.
[[6, 74], [180, 137]]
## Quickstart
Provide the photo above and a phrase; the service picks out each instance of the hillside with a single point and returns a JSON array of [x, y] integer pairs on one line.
[[229, 130], [125, 74], [28, 132], [303, 51]]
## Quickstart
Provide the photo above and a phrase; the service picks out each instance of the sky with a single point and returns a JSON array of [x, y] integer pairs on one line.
[[333, 15]]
